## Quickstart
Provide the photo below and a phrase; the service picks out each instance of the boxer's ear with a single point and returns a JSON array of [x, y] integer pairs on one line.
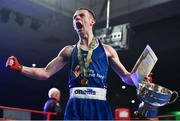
[[92, 22]]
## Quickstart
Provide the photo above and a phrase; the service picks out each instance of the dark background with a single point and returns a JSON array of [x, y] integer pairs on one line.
[[41, 45]]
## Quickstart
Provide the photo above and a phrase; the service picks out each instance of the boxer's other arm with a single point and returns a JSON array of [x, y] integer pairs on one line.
[[52, 67], [117, 66]]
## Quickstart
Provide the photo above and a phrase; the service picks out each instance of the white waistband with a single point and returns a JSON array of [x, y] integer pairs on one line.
[[88, 93]]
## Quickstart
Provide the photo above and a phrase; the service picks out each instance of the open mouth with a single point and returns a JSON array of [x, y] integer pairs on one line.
[[79, 25]]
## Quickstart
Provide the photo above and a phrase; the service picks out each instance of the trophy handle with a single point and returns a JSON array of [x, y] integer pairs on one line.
[[176, 93]]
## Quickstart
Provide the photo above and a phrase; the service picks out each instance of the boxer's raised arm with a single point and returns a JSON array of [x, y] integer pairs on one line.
[[41, 73]]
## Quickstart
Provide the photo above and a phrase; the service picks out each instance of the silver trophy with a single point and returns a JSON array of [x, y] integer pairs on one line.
[[152, 97]]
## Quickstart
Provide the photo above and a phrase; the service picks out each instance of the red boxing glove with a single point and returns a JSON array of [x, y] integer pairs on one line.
[[13, 64]]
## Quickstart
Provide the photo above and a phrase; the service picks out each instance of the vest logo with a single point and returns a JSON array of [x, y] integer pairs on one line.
[[76, 71], [85, 92]]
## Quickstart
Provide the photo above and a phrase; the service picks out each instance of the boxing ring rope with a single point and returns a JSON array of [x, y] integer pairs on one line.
[[160, 116], [30, 111], [167, 116]]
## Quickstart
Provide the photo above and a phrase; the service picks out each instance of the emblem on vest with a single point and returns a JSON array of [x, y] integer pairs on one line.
[[85, 92]]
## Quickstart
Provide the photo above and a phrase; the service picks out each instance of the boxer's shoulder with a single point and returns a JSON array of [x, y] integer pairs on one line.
[[66, 51]]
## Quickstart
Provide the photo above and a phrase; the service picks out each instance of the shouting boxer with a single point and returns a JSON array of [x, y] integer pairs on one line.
[[89, 60]]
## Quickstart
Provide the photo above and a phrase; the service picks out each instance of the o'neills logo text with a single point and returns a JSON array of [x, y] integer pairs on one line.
[[85, 92]]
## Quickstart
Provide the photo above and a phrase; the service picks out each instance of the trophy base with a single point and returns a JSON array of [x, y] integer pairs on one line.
[[147, 111]]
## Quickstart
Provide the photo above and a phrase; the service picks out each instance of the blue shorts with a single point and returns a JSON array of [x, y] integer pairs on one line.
[[87, 109]]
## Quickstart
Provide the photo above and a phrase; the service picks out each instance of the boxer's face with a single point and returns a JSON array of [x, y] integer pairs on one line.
[[82, 21]]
